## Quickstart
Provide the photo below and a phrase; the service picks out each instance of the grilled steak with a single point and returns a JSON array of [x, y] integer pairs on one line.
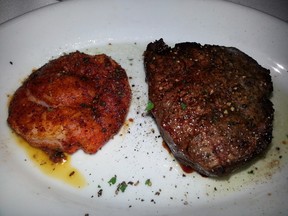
[[77, 101], [211, 104]]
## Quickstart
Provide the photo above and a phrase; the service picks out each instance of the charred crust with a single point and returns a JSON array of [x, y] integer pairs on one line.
[[211, 104]]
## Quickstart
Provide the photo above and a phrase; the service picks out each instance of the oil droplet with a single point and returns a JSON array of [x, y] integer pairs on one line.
[[62, 171]]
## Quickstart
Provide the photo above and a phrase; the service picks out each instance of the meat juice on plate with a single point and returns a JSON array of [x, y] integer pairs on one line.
[[62, 171]]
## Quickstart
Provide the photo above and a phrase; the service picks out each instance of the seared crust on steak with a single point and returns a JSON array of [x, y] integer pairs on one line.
[[211, 104], [77, 101]]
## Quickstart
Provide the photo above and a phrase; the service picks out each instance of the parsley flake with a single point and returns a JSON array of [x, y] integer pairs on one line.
[[148, 182], [121, 187], [113, 180], [149, 106], [183, 106]]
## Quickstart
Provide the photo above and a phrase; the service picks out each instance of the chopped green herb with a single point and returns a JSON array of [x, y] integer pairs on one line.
[[149, 106], [113, 180], [121, 187], [183, 106], [148, 182]]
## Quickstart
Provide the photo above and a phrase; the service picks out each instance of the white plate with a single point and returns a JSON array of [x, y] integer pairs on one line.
[[137, 154]]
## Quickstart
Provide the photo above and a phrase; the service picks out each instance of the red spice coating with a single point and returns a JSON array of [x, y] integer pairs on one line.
[[77, 101]]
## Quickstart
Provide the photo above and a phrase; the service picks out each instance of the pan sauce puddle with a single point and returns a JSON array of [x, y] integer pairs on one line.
[[62, 171]]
